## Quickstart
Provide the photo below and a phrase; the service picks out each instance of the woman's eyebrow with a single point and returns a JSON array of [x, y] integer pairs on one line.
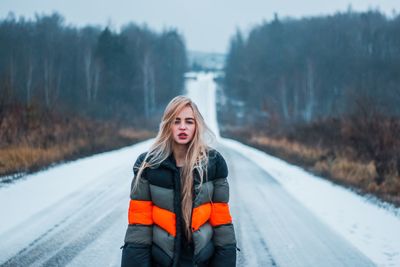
[[189, 118]]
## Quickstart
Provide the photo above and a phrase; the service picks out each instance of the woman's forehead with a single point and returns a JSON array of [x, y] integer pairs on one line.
[[186, 112]]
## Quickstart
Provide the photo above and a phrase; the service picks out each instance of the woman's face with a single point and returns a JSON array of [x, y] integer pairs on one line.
[[184, 126]]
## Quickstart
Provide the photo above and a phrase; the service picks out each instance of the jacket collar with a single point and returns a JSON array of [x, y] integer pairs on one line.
[[170, 162]]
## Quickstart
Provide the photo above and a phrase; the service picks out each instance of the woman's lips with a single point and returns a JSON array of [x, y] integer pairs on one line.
[[182, 136]]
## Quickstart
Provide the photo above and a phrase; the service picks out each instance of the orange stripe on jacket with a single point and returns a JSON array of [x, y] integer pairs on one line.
[[165, 219], [220, 214], [201, 215], [140, 212]]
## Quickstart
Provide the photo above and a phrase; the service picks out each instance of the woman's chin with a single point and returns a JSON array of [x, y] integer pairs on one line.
[[182, 142]]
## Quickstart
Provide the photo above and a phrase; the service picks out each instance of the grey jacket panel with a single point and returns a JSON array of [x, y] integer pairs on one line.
[[224, 235], [204, 193], [139, 234], [164, 199], [221, 190], [164, 240], [142, 191], [201, 237]]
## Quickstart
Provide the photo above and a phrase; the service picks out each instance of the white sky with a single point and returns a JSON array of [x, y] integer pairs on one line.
[[207, 25]]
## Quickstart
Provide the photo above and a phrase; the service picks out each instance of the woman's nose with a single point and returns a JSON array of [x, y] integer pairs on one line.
[[182, 126]]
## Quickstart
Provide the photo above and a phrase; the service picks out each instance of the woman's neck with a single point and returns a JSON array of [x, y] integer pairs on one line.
[[179, 154]]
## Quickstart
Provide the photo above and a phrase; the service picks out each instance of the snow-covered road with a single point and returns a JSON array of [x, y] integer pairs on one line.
[[75, 214]]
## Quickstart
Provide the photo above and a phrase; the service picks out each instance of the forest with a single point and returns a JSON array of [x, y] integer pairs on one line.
[[322, 92], [68, 92], [89, 70]]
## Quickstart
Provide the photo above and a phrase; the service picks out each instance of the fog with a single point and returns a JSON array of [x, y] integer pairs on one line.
[[206, 25]]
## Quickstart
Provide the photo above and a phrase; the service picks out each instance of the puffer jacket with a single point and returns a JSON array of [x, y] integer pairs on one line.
[[154, 233]]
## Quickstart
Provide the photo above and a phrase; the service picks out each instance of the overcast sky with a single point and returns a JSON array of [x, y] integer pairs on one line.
[[206, 25]]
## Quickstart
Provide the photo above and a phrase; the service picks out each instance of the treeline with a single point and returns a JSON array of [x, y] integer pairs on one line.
[[293, 71], [128, 75], [323, 93]]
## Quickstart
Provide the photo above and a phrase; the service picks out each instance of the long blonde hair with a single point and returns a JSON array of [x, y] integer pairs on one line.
[[196, 156]]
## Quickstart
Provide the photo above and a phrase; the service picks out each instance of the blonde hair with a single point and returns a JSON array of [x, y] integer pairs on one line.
[[196, 157]]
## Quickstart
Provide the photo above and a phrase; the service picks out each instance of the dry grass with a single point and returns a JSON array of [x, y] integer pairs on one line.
[[22, 158], [134, 134], [290, 148], [339, 164], [28, 145], [348, 171], [339, 167], [26, 158]]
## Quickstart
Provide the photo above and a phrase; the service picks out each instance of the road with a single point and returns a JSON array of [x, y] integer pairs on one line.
[[86, 227]]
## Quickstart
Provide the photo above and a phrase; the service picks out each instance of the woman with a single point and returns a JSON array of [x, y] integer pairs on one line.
[[178, 213]]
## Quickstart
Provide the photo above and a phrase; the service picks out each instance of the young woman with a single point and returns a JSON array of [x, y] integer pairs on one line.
[[178, 213]]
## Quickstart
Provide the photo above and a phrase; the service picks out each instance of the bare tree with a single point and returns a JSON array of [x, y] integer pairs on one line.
[[148, 85], [29, 78], [309, 93], [88, 70], [284, 99]]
